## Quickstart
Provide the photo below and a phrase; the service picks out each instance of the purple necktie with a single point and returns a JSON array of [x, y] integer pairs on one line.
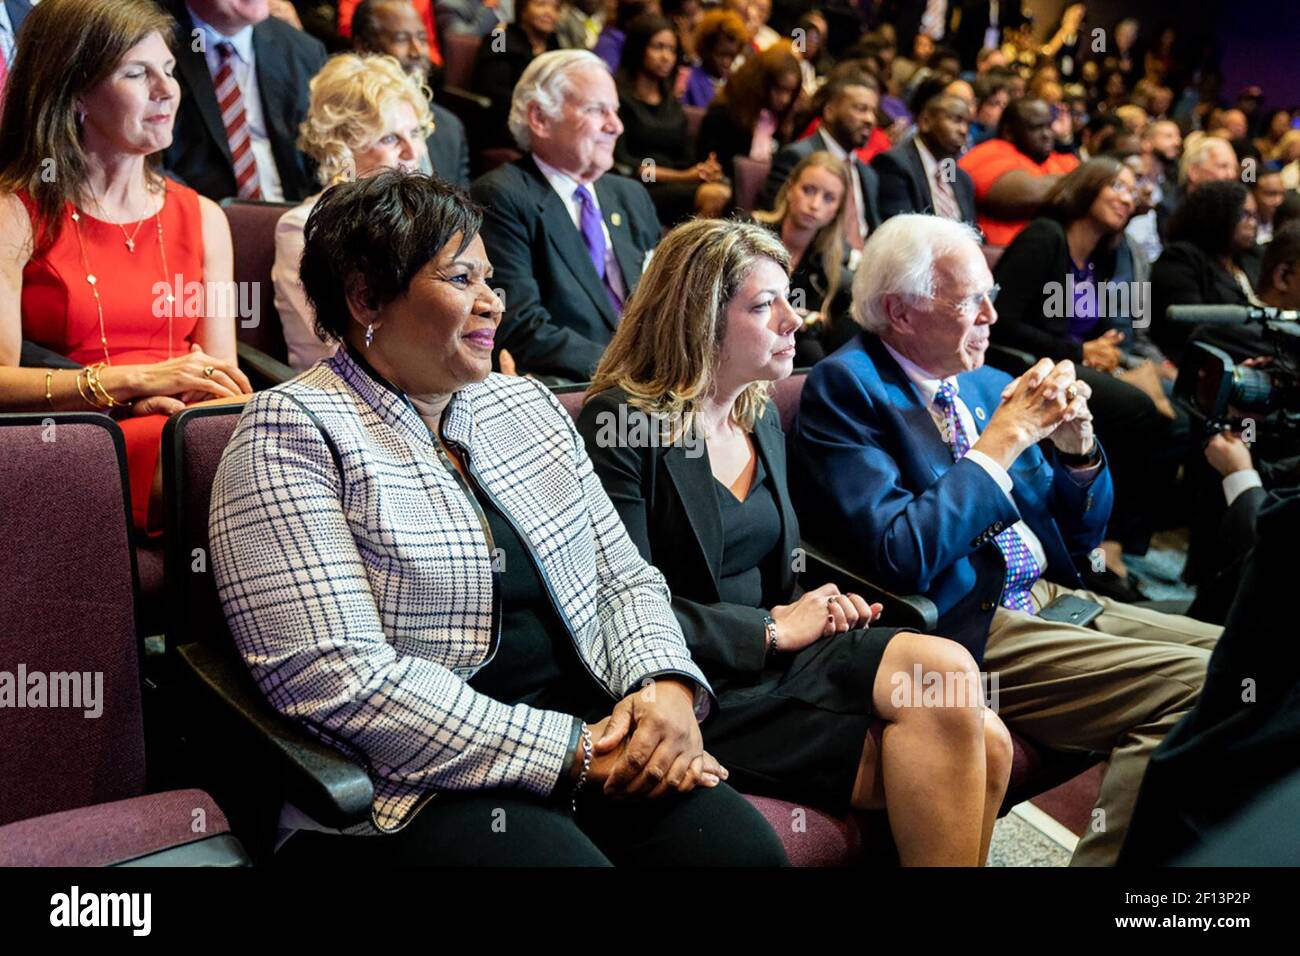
[[1022, 569], [593, 234]]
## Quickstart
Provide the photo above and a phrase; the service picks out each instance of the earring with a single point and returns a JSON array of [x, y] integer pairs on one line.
[[370, 333]]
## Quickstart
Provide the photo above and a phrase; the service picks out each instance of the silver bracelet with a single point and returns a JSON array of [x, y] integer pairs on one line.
[[586, 765], [769, 627]]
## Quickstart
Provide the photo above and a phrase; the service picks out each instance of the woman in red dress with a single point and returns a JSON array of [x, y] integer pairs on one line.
[[103, 260]]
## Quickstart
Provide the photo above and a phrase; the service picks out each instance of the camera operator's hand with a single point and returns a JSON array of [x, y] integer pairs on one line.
[[1033, 407], [1227, 454]]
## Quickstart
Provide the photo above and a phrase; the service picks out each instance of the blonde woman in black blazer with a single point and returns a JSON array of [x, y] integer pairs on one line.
[[702, 491], [418, 565]]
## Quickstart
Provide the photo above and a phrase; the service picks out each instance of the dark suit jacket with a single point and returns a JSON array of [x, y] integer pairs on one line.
[[448, 147], [1185, 275], [876, 485], [1227, 751], [558, 317], [496, 71], [668, 504], [904, 187], [722, 135], [788, 157], [200, 153]]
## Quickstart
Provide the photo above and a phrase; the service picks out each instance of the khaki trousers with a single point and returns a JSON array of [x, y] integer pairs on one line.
[[1116, 687]]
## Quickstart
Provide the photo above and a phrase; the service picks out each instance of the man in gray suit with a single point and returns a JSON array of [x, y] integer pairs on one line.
[[393, 27]]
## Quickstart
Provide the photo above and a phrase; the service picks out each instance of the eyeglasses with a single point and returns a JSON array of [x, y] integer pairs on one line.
[[1123, 189], [970, 306]]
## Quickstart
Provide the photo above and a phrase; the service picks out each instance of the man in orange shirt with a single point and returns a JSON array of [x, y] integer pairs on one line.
[[1015, 172]]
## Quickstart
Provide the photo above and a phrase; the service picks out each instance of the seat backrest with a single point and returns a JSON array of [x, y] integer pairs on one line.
[[785, 394], [992, 254], [192, 444], [459, 51], [67, 617], [571, 397], [252, 231], [750, 177]]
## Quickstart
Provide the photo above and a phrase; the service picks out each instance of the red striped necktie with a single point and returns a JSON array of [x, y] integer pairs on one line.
[[231, 101]]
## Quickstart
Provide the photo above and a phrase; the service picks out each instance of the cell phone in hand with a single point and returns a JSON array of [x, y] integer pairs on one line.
[[1071, 609]]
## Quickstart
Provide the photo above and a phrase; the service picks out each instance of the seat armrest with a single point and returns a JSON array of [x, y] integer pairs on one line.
[[261, 368], [38, 356], [316, 778], [221, 850], [900, 610]]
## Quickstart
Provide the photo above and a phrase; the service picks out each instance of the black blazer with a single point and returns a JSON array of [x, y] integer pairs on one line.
[[448, 147], [558, 317], [722, 134], [788, 157], [1038, 255], [1185, 275], [669, 506], [905, 188], [199, 155]]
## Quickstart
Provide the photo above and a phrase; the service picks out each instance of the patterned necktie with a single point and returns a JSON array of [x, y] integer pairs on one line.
[[945, 203], [231, 101], [1022, 569], [852, 221], [593, 234]]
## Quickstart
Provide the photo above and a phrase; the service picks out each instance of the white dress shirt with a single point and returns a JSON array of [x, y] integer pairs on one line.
[[565, 186], [1240, 481], [928, 386], [8, 42], [244, 67], [842, 154]]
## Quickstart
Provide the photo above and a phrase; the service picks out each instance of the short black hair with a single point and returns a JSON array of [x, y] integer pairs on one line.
[[1289, 211], [385, 229], [1208, 216]]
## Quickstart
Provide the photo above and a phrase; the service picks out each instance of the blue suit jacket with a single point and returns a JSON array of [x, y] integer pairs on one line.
[[874, 482]]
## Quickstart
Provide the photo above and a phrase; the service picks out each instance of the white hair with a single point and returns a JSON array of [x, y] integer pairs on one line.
[[899, 259], [1197, 152], [545, 82]]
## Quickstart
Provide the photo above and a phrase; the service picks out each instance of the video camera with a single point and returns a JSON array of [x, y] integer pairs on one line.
[[1225, 391]]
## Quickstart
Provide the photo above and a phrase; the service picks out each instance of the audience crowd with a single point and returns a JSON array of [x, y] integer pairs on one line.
[[965, 228]]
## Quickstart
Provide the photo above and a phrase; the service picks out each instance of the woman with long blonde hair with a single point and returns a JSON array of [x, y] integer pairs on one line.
[[680, 432], [366, 114], [808, 216]]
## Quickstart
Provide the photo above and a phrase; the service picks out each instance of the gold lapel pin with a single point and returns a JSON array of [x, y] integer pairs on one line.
[[616, 219]]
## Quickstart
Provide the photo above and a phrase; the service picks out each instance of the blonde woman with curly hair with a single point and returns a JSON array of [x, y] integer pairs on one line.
[[679, 430], [366, 114]]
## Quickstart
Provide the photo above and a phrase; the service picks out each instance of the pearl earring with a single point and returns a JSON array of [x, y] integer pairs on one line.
[[370, 334]]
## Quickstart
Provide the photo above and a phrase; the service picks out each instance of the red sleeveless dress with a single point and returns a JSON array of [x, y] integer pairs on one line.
[[59, 311]]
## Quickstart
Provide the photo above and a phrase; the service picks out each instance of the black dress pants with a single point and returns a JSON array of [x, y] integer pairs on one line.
[[1144, 450], [706, 827]]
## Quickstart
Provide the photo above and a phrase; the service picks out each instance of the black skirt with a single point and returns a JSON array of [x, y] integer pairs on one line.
[[798, 733]]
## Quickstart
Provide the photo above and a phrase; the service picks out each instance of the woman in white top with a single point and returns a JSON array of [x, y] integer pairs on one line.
[[366, 114]]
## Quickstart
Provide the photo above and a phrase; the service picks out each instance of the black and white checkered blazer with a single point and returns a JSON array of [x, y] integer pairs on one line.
[[357, 579]]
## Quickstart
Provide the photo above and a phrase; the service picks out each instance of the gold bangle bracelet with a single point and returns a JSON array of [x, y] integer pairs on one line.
[[82, 392], [49, 398], [97, 387]]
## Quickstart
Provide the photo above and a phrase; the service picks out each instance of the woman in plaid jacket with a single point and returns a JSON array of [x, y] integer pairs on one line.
[[418, 564]]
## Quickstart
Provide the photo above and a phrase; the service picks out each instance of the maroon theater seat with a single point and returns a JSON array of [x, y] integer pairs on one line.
[[459, 52], [67, 625], [262, 352]]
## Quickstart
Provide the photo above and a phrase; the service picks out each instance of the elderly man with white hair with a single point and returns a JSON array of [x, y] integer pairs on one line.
[[567, 237], [935, 474]]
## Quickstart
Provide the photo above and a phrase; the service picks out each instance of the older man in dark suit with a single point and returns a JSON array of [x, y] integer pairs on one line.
[[568, 240], [847, 118], [243, 77], [921, 174], [393, 27]]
